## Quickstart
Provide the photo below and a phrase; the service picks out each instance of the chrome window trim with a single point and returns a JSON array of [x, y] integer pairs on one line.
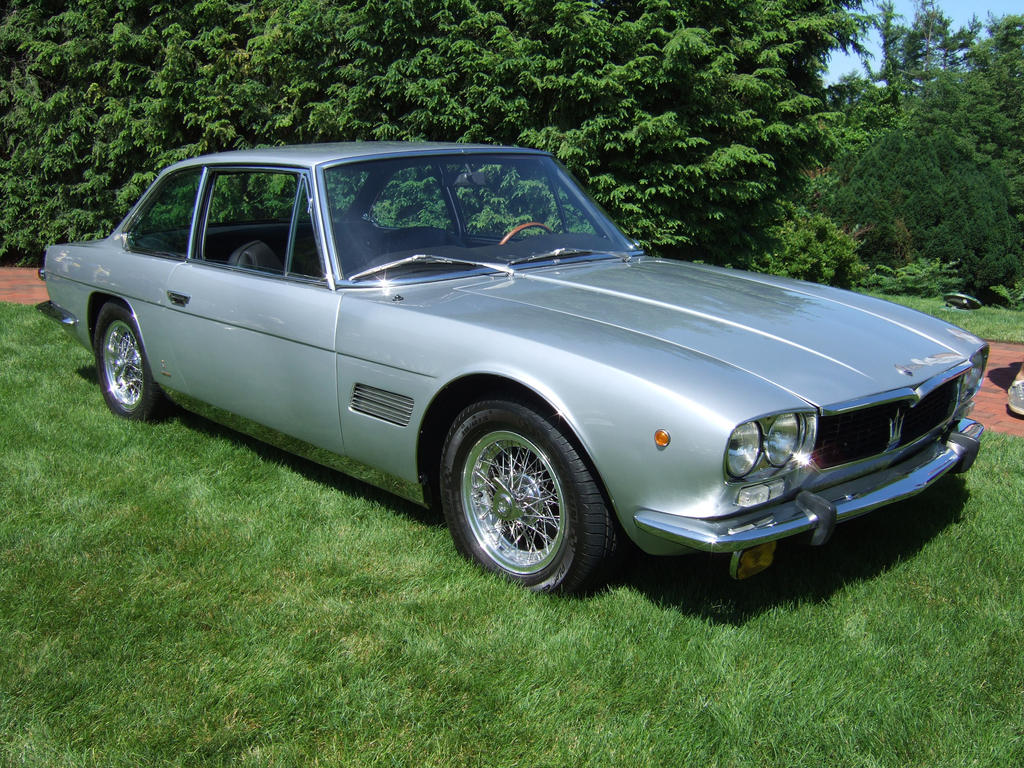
[[193, 235], [419, 152], [122, 230], [324, 239], [300, 279], [329, 240], [201, 214], [293, 226]]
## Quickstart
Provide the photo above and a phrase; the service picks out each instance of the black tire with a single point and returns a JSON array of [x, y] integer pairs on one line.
[[122, 367], [520, 500]]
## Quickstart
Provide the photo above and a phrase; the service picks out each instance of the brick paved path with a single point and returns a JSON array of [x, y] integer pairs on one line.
[[23, 286]]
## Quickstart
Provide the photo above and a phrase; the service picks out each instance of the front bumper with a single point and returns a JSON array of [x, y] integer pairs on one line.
[[819, 512]]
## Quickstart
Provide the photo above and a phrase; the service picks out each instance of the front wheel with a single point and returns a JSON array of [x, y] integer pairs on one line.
[[124, 374], [520, 500]]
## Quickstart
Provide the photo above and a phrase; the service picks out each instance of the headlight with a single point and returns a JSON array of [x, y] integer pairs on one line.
[[972, 382], [744, 449], [760, 448], [783, 439]]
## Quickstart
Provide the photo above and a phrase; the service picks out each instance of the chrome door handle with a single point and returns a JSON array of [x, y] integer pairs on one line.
[[178, 299]]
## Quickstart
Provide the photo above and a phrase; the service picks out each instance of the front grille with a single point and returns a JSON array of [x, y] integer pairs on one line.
[[930, 412], [873, 430]]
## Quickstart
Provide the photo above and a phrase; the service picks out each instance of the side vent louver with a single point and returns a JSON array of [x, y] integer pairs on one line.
[[384, 405]]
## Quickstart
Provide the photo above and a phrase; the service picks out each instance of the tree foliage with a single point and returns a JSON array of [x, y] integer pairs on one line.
[[810, 246], [932, 168], [690, 121], [927, 196]]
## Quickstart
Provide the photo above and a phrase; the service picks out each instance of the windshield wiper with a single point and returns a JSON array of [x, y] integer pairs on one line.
[[427, 258], [560, 253]]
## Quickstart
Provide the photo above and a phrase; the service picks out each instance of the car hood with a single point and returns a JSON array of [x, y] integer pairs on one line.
[[823, 345]]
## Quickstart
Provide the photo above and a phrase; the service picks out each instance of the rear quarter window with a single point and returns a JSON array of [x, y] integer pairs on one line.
[[165, 221]]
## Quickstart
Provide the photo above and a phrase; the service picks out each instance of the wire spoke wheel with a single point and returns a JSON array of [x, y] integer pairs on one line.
[[520, 501], [123, 370], [122, 365], [513, 501]]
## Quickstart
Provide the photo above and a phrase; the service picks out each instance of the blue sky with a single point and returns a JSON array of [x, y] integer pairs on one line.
[[960, 11]]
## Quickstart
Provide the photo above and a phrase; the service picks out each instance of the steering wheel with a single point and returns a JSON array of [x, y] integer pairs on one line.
[[516, 230]]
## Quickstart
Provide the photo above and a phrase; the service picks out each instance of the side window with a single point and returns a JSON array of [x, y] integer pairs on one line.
[[249, 219], [304, 258], [163, 226], [241, 197]]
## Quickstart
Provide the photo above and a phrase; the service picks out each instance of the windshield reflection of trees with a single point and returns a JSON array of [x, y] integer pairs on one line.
[[488, 208]]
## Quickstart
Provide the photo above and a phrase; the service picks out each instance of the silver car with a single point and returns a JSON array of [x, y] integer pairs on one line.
[[461, 325]]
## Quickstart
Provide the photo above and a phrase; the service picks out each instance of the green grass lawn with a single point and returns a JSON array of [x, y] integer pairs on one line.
[[175, 594], [992, 323]]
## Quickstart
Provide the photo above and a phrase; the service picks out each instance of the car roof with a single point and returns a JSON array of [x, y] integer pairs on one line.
[[312, 155]]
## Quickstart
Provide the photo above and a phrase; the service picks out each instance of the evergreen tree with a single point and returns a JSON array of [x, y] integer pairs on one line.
[[925, 196], [932, 160], [689, 121]]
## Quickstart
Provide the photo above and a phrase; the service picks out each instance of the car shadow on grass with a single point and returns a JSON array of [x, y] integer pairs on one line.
[[336, 479], [88, 373], [697, 584], [860, 549], [333, 478]]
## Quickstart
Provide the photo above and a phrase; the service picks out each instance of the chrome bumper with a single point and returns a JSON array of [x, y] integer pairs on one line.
[[58, 313], [819, 512]]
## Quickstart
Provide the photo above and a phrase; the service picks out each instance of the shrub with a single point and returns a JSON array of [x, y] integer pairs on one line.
[[811, 247], [921, 277], [1011, 297], [924, 198]]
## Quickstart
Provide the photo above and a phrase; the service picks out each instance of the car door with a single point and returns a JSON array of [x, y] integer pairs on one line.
[[253, 317]]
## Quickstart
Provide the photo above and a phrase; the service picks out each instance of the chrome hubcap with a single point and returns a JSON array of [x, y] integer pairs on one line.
[[122, 364], [513, 501]]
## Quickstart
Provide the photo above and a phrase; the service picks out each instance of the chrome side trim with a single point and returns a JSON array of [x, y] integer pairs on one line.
[[851, 499], [410, 491], [58, 313]]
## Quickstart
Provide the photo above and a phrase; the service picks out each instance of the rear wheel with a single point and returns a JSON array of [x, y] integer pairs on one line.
[[125, 378], [520, 500]]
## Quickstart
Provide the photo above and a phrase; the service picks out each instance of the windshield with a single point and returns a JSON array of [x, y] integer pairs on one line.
[[461, 211]]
